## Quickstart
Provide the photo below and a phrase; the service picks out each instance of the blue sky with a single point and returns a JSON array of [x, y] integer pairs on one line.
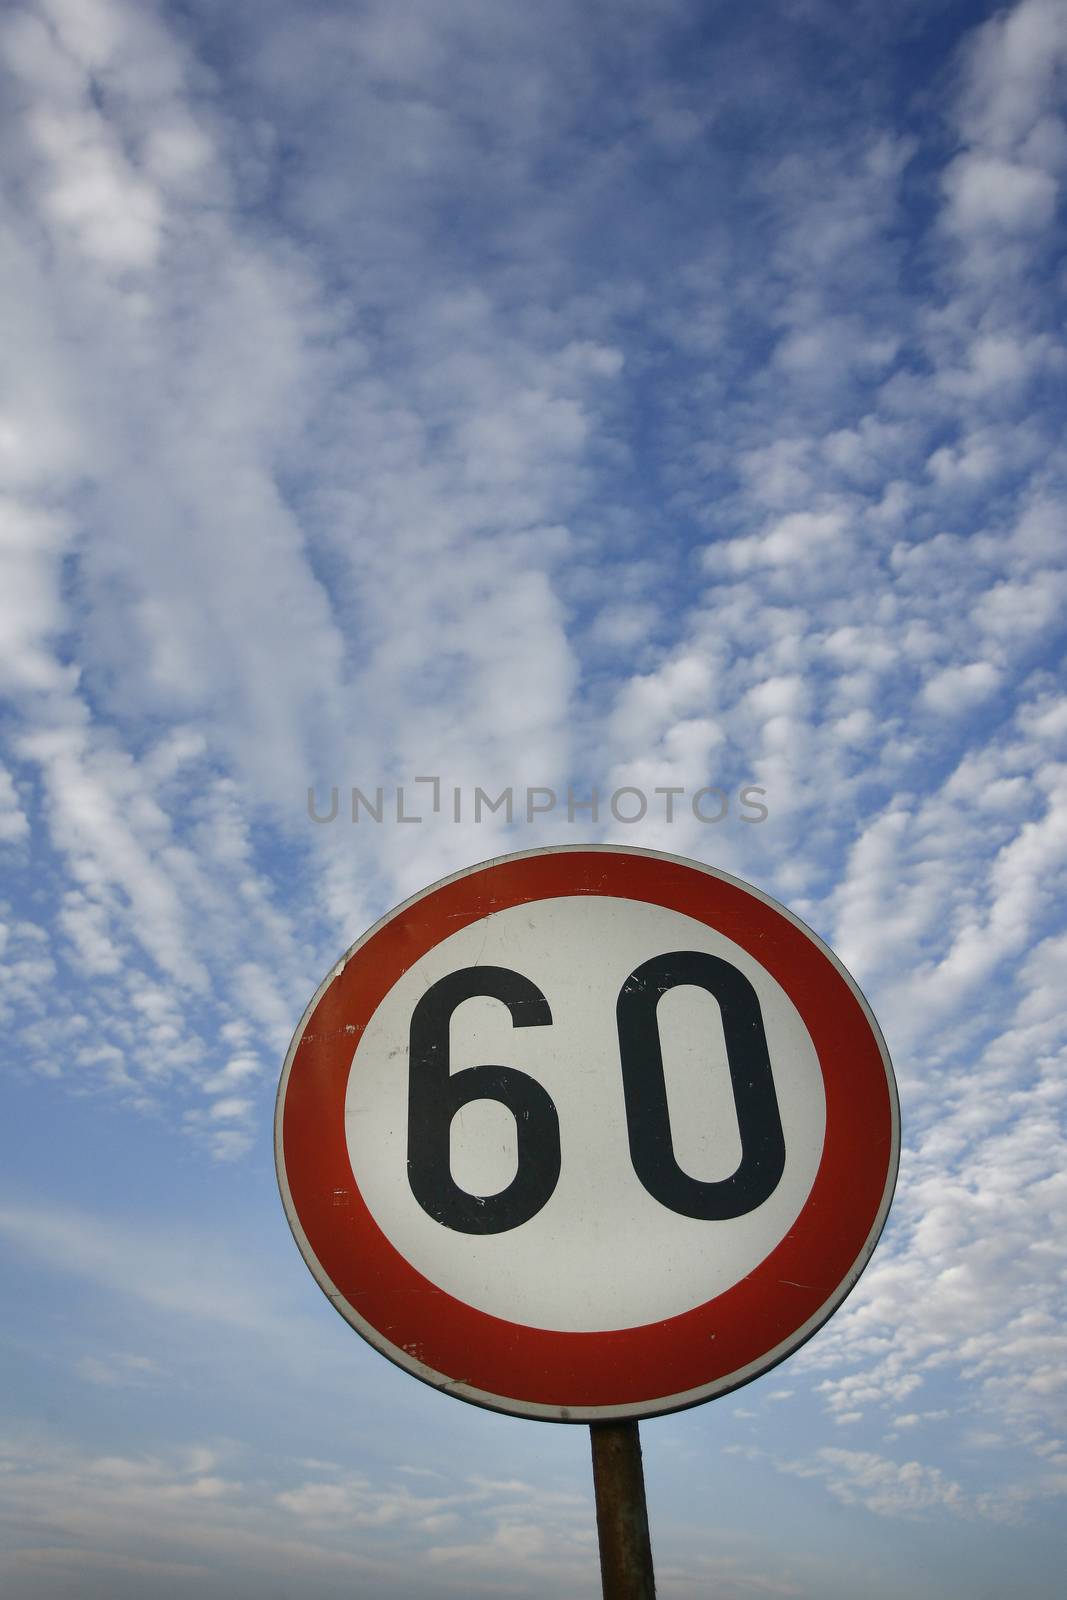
[[572, 396]]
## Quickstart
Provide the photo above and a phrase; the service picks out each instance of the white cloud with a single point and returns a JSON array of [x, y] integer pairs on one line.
[[166, 1270], [792, 538], [1013, 63], [888, 1488], [14, 824], [113, 215], [989, 192], [26, 968], [120, 1371], [956, 689], [30, 545], [157, 1518]]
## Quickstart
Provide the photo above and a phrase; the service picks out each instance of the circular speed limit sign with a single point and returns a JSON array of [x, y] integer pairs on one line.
[[587, 1133]]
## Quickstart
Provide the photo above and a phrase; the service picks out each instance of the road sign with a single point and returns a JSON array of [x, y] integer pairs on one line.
[[587, 1133]]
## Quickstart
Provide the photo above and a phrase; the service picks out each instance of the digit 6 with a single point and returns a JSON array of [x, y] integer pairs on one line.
[[435, 1094]]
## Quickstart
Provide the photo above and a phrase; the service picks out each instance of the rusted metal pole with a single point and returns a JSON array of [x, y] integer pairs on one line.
[[621, 1513]]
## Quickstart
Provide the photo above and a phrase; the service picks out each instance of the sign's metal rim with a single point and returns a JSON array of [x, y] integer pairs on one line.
[[409, 1355]]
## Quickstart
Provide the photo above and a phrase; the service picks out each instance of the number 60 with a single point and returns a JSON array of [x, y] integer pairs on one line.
[[435, 1094]]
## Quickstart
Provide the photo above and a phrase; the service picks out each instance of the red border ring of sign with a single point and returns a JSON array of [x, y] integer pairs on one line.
[[632, 1372]]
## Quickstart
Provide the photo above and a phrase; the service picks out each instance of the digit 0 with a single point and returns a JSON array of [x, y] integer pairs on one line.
[[648, 1123]]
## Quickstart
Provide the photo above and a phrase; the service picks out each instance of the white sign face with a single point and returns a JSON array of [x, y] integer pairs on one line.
[[602, 1252], [587, 1133]]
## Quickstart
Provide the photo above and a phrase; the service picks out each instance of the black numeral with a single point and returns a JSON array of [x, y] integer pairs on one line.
[[435, 1095], [648, 1121]]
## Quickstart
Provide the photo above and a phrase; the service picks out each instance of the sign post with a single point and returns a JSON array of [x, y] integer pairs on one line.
[[621, 1512], [588, 1134]]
